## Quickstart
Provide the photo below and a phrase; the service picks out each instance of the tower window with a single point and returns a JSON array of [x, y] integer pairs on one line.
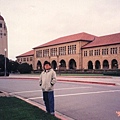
[[0, 25], [1, 35]]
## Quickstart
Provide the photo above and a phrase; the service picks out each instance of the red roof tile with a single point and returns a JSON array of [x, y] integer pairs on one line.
[[1, 18], [104, 40], [29, 53], [70, 38]]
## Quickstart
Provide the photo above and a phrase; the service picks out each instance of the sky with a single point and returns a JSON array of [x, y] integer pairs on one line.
[[31, 23]]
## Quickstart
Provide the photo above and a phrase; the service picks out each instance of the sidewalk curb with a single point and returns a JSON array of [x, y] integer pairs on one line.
[[77, 81], [57, 114], [103, 83]]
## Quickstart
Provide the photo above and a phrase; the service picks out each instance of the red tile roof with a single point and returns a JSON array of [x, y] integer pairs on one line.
[[29, 53], [70, 38], [1, 18], [104, 40]]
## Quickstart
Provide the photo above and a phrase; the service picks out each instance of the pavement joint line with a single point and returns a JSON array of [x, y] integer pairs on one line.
[[86, 93], [24, 92], [20, 92]]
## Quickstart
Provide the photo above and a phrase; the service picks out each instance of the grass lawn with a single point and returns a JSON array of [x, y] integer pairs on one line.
[[12, 108]]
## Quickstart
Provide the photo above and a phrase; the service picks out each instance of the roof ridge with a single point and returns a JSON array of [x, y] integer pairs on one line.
[[109, 35], [104, 40], [28, 53], [68, 38]]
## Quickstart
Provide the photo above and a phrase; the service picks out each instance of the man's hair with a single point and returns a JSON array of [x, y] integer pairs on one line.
[[46, 62]]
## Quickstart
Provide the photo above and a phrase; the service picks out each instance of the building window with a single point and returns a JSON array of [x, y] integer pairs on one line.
[[24, 59], [4, 34], [91, 53], [31, 58], [105, 51], [18, 60], [85, 53], [27, 59], [72, 49], [97, 52], [62, 50], [4, 26], [53, 52], [1, 35], [46, 53], [39, 53], [113, 50], [0, 25]]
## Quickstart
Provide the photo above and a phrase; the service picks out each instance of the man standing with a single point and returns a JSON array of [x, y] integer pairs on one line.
[[47, 81]]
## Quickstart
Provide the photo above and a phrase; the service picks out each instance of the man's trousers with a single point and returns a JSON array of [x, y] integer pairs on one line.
[[48, 98]]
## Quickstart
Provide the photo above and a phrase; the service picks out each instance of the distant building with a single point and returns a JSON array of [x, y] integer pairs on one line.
[[3, 37], [27, 57], [102, 53], [79, 51]]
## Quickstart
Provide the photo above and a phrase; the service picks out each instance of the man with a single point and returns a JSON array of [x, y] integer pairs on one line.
[[47, 81]]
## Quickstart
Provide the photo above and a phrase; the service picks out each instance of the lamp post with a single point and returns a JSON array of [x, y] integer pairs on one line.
[[5, 60], [59, 67]]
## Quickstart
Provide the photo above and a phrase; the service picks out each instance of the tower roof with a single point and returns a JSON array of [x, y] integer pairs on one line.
[[1, 18]]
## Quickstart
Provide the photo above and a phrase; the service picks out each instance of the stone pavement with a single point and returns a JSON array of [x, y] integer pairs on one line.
[[107, 80]]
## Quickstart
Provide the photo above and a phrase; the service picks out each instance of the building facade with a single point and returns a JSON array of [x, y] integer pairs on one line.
[[103, 53], [27, 57], [3, 37], [63, 53], [79, 51]]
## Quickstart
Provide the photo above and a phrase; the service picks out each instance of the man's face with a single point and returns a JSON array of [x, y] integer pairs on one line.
[[47, 66]]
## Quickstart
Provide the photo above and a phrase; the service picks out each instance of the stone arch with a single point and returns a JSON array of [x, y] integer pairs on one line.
[[39, 65], [105, 64], [54, 64], [62, 64], [114, 64], [90, 65], [97, 64], [72, 64]]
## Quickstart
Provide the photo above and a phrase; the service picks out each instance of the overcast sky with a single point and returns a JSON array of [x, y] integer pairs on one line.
[[33, 22]]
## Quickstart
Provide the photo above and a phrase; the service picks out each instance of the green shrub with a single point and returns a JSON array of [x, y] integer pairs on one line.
[[24, 68], [112, 73]]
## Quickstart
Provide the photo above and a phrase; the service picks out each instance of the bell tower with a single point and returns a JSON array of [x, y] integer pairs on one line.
[[3, 37]]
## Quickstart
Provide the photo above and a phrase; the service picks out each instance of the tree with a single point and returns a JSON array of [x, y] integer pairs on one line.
[[13, 66], [2, 63]]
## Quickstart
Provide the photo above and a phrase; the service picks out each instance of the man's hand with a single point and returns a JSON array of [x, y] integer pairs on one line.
[[118, 113]]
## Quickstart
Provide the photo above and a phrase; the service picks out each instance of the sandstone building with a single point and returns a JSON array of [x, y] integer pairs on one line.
[[27, 57], [79, 51]]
